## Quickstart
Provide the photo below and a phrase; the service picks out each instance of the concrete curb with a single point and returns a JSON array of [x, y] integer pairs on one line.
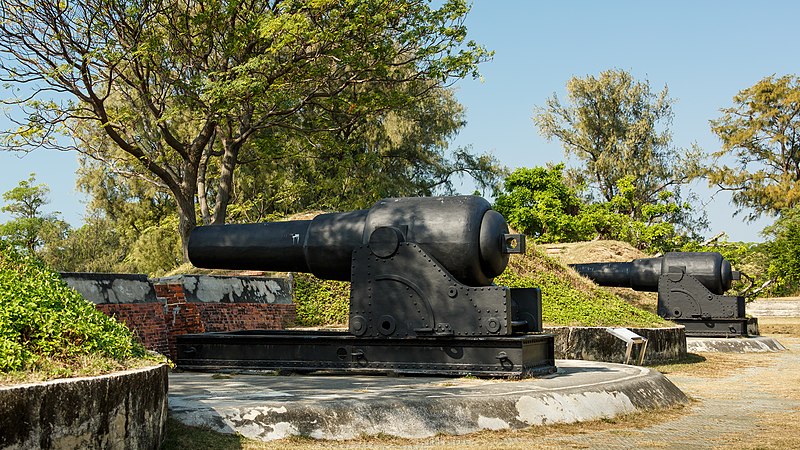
[[334, 407], [756, 344], [597, 344], [119, 410]]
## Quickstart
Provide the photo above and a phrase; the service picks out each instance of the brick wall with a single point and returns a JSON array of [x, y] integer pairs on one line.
[[145, 319], [166, 308], [186, 317]]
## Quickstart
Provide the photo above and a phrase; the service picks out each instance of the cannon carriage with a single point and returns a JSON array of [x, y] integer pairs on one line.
[[691, 290]]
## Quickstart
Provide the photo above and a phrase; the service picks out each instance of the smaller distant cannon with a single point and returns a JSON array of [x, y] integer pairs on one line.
[[690, 286]]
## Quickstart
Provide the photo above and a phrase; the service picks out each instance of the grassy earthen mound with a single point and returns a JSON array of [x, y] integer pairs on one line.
[[570, 299], [605, 251], [567, 298]]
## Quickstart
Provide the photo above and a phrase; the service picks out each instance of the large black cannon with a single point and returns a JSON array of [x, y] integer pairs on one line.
[[690, 286], [422, 298]]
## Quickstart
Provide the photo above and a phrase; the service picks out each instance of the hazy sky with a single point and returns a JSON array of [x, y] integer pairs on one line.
[[705, 52]]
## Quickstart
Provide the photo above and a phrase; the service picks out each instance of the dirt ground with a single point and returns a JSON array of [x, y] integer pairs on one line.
[[743, 401]]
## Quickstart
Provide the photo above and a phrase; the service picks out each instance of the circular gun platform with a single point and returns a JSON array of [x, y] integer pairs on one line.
[[752, 344], [341, 407]]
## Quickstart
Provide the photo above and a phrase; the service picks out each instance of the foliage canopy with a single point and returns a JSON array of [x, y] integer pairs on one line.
[[538, 202], [30, 227], [761, 131], [176, 88], [617, 127]]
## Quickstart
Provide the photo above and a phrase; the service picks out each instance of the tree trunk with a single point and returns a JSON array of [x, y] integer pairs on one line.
[[230, 154]]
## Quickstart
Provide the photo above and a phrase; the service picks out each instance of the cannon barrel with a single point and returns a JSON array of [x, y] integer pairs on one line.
[[462, 233], [709, 268]]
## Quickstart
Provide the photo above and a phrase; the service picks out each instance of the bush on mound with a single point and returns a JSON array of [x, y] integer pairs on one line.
[[568, 298], [321, 302], [45, 326]]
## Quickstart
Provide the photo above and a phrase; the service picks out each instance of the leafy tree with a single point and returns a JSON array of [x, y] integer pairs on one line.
[[617, 127], [761, 131], [539, 203], [180, 86], [94, 247], [399, 153], [30, 225], [784, 251]]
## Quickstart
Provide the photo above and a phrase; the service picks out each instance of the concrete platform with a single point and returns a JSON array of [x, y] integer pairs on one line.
[[756, 344], [340, 407], [775, 307]]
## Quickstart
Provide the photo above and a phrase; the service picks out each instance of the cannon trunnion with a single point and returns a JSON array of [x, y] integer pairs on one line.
[[422, 299], [690, 286]]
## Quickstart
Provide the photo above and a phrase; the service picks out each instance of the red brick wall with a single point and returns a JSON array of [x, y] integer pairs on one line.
[[145, 319], [157, 324], [245, 316]]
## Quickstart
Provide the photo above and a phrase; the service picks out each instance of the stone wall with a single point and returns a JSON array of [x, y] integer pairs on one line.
[[158, 310], [123, 410]]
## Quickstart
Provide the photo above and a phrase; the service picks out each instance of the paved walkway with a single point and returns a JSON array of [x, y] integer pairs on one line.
[[730, 411]]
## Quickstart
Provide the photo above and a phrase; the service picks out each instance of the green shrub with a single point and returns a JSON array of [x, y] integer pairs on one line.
[[44, 321], [537, 202], [321, 302]]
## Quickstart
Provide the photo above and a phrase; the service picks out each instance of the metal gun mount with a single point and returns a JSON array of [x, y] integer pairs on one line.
[[690, 286], [421, 298]]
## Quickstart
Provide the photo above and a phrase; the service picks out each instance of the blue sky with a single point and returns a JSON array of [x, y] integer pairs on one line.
[[705, 52]]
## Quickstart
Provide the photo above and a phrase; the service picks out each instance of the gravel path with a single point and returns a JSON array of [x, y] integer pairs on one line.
[[747, 409]]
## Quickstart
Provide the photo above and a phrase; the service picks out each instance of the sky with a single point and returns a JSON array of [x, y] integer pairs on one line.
[[703, 51]]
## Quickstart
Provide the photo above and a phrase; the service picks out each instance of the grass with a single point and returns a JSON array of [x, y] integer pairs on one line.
[[569, 299]]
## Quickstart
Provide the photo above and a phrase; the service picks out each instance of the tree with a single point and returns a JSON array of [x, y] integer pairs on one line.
[[783, 252], [399, 153], [539, 203], [30, 226], [617, 127], [180, 86], [762, 134]]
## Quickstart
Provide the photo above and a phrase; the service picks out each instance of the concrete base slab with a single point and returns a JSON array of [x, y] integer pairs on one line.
[[755, 344], [342, 407]]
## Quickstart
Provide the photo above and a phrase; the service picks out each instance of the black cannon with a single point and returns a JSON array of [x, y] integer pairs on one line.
[[690, 286], [421, 300]]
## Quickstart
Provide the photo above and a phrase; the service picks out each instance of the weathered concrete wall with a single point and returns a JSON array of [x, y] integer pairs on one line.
[[597, 344], [103, 288], [123, 410], [217, 289]]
